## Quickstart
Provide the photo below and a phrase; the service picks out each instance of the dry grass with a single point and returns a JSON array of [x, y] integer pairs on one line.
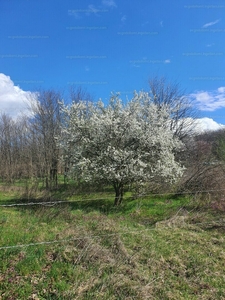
[[178, 262], [118, 255]]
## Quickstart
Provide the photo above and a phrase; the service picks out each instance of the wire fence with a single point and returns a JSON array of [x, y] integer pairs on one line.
[[52, 242], [140, 196], [126, 261], [142, 232], [53, 203]]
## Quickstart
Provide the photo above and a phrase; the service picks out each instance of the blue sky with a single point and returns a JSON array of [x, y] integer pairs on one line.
[[113, 46]]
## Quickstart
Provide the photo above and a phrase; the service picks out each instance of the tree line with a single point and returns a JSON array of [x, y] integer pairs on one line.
[[28, 144]]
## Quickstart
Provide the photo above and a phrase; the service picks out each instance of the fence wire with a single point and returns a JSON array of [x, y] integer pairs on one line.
[[53, 203], [139, 232]]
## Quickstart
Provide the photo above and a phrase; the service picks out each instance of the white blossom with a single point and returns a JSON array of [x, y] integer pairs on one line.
[[120, 143]]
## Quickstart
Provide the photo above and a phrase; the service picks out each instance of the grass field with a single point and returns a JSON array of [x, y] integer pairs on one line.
[[155, 247]]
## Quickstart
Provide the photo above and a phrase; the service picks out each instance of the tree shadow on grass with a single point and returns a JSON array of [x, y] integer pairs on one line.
[[100, 199]]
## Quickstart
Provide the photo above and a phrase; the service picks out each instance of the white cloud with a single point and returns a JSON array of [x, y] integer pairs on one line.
[[74, 14], [210, 45], [13, 100], [221, 89], [209, 101], [167, 61], [124, 18], [92, 10], [109, 3], [207, 124], [201, 125], [210, 24]]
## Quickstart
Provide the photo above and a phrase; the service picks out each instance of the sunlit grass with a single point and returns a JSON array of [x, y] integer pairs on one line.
[[156, 247]]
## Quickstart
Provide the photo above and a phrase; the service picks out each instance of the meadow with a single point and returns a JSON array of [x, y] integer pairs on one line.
[[67, 244]]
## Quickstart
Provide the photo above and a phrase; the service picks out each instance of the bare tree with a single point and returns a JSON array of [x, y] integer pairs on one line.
[[14, 149], [6, 125], [77, 94], [205, 171], [182, 112], [45, 125]]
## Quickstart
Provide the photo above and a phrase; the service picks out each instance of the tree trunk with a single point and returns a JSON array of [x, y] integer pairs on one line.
[[118, 186]]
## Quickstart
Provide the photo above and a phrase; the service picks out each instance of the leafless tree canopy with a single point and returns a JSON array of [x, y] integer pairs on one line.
[[183, 114], [28, 145]]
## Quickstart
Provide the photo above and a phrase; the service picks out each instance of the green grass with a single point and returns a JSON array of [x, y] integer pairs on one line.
[[157, 247]]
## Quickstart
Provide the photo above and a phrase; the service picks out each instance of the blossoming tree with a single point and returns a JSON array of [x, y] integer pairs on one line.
[[120, 143]]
